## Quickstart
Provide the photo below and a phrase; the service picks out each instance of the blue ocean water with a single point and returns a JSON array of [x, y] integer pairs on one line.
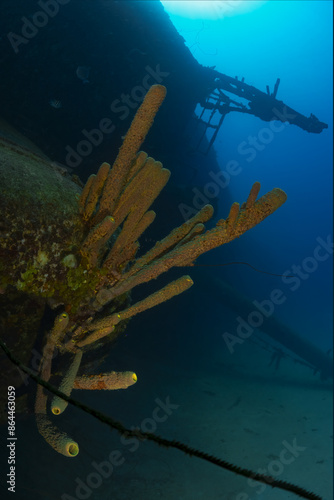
[[237, 407], [291, 41]]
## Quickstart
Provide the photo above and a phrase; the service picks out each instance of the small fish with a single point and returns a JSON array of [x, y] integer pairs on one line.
[[83, 73], [56, 103]]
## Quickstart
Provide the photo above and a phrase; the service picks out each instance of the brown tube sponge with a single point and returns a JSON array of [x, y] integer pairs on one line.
[[59, 440], [106, 381]]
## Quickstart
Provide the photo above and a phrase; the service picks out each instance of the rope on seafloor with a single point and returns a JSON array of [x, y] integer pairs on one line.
[[274, 483]]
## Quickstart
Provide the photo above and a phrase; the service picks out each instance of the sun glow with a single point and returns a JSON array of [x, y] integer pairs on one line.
[[209, 9]]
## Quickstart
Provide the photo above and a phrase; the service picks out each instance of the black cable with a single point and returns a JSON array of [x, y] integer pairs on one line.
[[162, 441]]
